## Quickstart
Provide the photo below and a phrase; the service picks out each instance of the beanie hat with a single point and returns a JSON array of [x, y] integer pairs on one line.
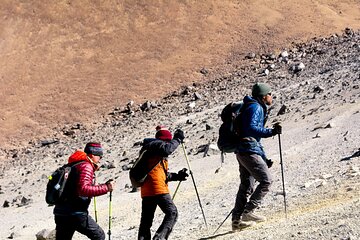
[[163, 133], [94, 148], [260, 90]]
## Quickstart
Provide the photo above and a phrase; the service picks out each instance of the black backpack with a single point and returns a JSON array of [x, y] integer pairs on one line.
[[231, 128], [59, 185]]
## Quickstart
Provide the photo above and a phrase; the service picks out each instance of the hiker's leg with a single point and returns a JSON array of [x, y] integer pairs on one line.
[[246, 184], [87, 226], [171, 214], [257, 167], [148, 208], [64, 227]]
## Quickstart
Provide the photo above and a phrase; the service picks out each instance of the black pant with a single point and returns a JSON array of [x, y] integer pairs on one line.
[[252, 167], [149, 205], [83, 223]]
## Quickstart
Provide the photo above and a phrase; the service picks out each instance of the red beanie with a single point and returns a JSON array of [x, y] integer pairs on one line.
[[163, 133]]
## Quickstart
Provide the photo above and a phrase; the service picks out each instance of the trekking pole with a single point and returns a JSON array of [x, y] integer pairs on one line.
[[95, 210], [223, 221], [110, 208], [193, 180], [282, 175], [177, 188]]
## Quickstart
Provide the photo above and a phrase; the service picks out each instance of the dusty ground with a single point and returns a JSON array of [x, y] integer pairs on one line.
[[320, 149], [73, 61]]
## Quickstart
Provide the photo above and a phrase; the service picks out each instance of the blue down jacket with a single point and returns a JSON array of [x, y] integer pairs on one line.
[[252, 121]]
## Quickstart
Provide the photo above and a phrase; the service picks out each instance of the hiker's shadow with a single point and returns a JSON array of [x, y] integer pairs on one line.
[[217, 235]]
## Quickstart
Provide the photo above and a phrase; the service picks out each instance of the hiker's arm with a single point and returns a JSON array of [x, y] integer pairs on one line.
[[85, 184], [256, 129], [163, 148]]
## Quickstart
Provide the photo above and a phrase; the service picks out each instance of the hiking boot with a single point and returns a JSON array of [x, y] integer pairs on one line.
[[238, 225], [250, 216]]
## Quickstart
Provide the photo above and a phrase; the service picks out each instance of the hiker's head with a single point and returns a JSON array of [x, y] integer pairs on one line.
[[163, 133], [94, 148], [94, 151], [262, 91]]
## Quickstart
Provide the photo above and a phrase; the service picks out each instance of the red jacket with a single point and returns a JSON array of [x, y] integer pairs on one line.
[[85, 184], [85, 187]]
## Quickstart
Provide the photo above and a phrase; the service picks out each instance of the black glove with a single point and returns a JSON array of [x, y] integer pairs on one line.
[[182, 175], [269, 162], [179, 134], [277, 129]]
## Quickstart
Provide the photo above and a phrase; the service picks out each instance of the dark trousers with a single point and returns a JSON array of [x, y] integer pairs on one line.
[[83, 223], [149, 205], [252, 167]]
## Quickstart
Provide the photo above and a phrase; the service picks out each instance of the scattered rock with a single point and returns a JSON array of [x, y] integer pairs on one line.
[[24, 201], [298, 67], [319, 89], [284, 54], [6, 204], [46, 234], [108, 165], [146, 106], [282, 110], [204, 71], [48, 142], [208, 127], [197, 96], [192, 105], [125, 167], [11, 236], [250, 56]]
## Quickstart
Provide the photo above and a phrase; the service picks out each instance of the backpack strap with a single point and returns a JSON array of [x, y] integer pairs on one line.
[[75, 163]]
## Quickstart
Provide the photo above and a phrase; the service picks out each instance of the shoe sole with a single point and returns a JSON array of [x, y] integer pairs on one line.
[[237, 229]]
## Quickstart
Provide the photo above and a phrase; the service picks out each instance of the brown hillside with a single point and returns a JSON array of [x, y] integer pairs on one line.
[[72, 61]]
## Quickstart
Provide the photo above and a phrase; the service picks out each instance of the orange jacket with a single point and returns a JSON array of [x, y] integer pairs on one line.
[[156, 181]]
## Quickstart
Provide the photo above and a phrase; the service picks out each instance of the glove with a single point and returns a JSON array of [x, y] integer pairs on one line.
[[277, 129], [182, 175], [110, 184], [179, 134], [269, 162]]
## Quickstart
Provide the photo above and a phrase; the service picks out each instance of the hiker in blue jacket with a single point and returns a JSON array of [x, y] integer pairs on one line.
[[253, 164]]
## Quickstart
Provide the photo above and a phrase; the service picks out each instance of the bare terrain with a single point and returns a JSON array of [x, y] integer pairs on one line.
[[69, 71]]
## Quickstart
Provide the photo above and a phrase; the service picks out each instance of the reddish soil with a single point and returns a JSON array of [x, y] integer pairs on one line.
[[74, 61]]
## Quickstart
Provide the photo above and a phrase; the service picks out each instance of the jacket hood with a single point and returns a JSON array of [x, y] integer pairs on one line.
[[78, 156], [248, 99]]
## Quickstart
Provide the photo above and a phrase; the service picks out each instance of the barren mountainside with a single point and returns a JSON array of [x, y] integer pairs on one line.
[[72, 61], [111, 71]]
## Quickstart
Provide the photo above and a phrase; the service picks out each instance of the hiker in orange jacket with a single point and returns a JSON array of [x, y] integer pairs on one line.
[[72, 214], [155, 191]]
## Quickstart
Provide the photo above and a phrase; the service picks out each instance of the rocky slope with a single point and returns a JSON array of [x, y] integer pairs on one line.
[[316, 98]]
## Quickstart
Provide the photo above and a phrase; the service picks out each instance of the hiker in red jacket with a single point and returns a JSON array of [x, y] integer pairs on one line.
[[72, 214], [155, 191]]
